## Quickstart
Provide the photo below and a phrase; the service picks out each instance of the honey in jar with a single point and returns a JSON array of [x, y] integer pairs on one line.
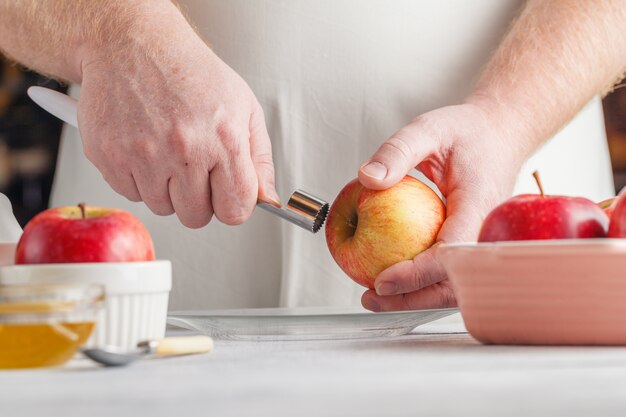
[[24, 345], [44, 326]]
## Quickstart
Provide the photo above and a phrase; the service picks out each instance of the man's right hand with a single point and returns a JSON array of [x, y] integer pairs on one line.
[[168, 123]]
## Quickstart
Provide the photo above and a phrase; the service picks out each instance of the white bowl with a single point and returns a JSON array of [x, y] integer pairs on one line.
[[136, 295]]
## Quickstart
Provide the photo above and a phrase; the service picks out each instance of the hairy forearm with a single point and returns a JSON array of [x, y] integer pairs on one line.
[[556, 57], [56, 37]]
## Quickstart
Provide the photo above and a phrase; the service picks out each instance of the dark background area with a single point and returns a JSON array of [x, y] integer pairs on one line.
[[29, 140], [615, 120]]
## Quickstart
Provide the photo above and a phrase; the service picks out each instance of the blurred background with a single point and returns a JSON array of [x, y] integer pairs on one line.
[[29, 140]]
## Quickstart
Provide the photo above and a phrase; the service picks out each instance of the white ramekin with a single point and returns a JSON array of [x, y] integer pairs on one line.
[[136, 295]]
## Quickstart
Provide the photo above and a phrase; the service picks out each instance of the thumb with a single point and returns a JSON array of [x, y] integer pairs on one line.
[[261, 154], [395, 158]]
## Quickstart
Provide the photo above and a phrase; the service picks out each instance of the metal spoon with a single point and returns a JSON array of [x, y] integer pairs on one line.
[[171, 346]]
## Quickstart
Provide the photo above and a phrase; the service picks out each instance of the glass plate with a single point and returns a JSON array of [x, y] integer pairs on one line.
[[311, 323]]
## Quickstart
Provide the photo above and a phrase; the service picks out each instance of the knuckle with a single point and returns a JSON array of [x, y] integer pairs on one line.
[[399, 146], [115, 186], [179, 142], [428, 122], [219, 114], [244, 185], [265, 169], [229, 138], [446, 295], [145, 148], [160, 210], [256, 107], [234, 148], [407, 303], [225, 129], [418, 279], [97, 152], [264, 159], [259, 111], [152, 197], [258, 117], [126, 192], [234, 217], [423, 121], [158, 203], [132, 197], [195, 222], [90, 154], [126, 188], [234, 214]]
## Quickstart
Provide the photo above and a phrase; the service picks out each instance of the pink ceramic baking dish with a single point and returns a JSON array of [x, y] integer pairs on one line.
[[554, 292]]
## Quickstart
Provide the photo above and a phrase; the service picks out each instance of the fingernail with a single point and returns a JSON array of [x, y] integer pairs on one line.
[[387, 288], [274, 199], [270, 197], [375, 170], [371, 305]]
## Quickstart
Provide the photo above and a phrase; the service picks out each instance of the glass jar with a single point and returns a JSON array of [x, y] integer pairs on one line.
[[44, 325]]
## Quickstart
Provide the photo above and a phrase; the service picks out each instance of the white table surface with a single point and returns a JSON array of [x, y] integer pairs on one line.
[[438, 370]]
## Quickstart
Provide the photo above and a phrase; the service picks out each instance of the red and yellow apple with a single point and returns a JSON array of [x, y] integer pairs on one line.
[[84, 234], [367, 230]]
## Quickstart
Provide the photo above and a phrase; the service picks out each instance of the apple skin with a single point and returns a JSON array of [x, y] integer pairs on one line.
[[62, 235], [608, 206], [539, 217], [617, 226], [367, 230]]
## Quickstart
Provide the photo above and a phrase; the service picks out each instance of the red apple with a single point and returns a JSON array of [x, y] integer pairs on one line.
[[617, 226], [84, 234], [608, 206], [539, 217], [368, 230]]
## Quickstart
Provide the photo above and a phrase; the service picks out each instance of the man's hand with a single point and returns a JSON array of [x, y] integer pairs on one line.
[[457, 148], [164, 120], [555, 58], [181, 132]]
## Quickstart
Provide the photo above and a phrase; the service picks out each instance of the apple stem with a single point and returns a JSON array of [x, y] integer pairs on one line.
[[82, 209], [536, 175]]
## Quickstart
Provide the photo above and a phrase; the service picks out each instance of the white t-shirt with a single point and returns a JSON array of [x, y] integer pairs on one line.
[[335, 79]]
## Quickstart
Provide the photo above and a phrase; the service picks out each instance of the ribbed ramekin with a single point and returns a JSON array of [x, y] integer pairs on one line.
[[136, 294]]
